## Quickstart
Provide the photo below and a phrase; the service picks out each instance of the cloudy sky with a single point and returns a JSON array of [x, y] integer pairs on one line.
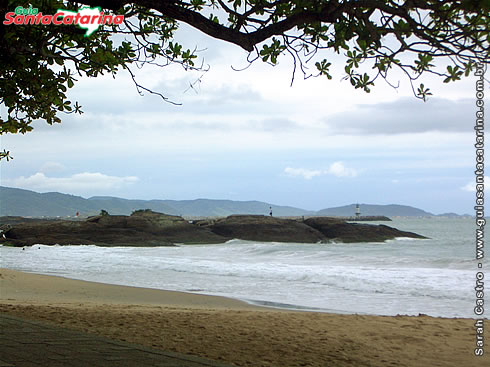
[[249, 135]]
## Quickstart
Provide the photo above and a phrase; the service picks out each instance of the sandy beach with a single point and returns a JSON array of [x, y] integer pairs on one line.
[[238, 333]]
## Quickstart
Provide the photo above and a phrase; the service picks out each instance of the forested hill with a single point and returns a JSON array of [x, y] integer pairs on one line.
[[19, 202], [391, 210]]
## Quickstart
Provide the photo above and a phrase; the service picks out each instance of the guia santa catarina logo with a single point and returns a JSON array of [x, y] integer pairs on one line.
[[86, 18]]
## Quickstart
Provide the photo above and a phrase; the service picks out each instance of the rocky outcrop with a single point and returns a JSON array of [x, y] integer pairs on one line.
[[262, 228], [339, 230], [147, 228], [142, 228]]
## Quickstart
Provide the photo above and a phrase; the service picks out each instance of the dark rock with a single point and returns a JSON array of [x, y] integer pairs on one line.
[[11, 220], [263, 228], [148, 229], [338, 230]]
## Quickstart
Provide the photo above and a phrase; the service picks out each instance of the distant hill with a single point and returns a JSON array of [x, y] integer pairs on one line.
[[197, 207], [453, 215], [391, 210], [19, 202]]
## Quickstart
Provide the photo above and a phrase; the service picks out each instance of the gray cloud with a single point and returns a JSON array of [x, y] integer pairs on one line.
[[51, 166], [209, 124], [272, 124], [121, 97], [235, 94], [407, 115], [139, 123]]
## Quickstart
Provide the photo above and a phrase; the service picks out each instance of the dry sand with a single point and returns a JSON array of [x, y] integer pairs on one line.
[[232, 331]]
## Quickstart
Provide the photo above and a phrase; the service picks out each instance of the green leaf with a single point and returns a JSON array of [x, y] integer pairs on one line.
[[423, 92]]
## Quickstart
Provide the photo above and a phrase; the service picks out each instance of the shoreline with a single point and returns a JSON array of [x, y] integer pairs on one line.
[[236, 332], [39, 288], [221, 301], [212, 300], [259, 303]]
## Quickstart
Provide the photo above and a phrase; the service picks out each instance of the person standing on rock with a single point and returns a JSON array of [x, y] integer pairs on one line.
[[270, 213]]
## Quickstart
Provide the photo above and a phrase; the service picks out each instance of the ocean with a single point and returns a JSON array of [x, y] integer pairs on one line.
[[404, 276]]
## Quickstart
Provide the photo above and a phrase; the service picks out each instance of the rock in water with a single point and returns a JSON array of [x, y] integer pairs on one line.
[[148, 228], [139, 229], [339, 230], [266, 228]]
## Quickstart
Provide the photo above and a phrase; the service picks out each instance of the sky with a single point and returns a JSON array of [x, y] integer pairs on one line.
[[250, 135]]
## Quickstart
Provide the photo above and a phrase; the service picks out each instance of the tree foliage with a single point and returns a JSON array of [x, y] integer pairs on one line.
[[39, 63]]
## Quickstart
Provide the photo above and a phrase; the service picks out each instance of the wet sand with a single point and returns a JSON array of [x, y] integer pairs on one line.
[[238, 333]]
